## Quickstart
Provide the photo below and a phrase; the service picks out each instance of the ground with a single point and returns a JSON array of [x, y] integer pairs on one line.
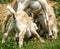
[[29, 43]]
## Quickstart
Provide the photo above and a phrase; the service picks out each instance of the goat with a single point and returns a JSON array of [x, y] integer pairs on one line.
[[23, 4], [48, 11], [24, 24], [35, 9], [52, 23]]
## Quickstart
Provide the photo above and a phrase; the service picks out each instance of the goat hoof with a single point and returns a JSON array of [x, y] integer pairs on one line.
[[3, 41], [42, 41]]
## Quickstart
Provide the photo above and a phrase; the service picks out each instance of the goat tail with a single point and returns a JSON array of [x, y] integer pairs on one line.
[[10, 9]]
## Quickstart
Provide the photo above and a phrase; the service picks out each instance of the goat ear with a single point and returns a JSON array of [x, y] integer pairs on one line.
[[10, 9]]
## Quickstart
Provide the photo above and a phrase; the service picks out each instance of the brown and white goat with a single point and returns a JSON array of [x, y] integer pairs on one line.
[[23, 23]]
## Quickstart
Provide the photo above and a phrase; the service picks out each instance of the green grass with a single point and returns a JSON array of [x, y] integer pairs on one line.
[[5, 1], [30, 44]]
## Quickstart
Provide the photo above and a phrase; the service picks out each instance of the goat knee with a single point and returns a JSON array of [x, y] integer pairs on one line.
[[4, 37], [21, 38]]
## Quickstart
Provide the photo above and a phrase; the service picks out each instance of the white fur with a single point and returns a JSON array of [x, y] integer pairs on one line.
[[10, 9]]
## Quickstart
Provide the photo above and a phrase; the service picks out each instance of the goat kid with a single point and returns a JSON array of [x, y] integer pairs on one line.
[[23, 23]]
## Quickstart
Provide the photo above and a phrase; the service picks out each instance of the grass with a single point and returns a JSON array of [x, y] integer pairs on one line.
[[30, 44], [5, 1]]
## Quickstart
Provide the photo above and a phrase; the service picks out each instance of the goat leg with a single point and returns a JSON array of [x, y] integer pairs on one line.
[[7, 33]]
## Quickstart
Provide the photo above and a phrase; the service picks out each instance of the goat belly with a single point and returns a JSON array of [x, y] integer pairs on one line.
[[21, 25], [35, 5]]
